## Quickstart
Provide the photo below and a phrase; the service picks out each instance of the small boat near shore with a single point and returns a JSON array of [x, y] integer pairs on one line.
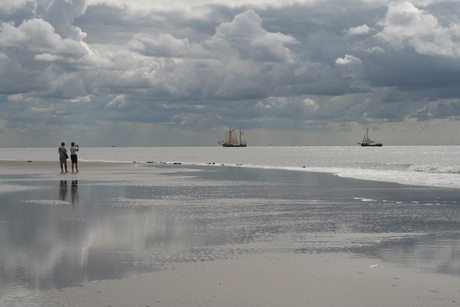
[[230, 140], [368, 142]]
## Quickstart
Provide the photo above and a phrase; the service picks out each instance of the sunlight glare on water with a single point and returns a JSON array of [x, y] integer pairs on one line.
[[418, 165]]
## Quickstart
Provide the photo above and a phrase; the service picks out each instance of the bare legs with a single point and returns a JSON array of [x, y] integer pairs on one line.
[[64, 166]]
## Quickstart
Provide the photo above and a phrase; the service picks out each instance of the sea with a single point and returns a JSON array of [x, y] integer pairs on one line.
[[435, 166]]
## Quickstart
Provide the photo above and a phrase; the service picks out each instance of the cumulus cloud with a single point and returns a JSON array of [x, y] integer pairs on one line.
[[246, 37], [348, 59], [243, 37], [38, 35], [360, 30], [406, 25], [61, 15], [8, 6], [240, 60], [12, 76], [165, 45]]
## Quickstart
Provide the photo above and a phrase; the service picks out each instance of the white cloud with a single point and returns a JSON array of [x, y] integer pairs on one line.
[[245, 38], [348, 59], [39, 36], [310, 103], [363, 29], [46, 57], [61, 15], [9, 6], [166, 46], [406, 25], [118, 102], [182, 4]]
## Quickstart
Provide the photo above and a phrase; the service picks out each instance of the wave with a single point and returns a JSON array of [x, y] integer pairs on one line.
[[437, 169], [407, 174]]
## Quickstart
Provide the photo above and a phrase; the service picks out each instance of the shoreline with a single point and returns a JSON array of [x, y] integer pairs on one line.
[[430, 166]]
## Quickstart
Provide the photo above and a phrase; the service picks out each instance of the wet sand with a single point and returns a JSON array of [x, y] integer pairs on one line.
[[153, 235], [270, 280]]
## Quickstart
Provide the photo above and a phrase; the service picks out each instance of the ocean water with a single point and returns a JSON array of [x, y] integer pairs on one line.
[[437, 166]]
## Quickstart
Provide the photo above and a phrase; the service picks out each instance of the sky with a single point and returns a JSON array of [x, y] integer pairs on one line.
[[180, 73]]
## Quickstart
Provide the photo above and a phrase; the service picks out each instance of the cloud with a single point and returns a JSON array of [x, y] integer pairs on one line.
[[226, 65], [8, 6], [407, 26], [39, 36], [166, 46], [61, 15], [13, 77], [247, 39], [243, 37], [360, 30], [348, 59], [48, 57]]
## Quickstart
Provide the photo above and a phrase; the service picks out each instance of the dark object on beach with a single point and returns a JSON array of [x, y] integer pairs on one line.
[[368, 142]]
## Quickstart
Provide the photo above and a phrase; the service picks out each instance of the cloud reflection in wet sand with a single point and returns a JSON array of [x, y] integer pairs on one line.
[[71, 232]]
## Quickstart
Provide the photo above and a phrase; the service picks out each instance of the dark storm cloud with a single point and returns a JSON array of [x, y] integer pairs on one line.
[[298, 65]]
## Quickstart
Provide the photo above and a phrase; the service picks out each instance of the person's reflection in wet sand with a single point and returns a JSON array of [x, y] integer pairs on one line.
[[74, 192], [63, 190]]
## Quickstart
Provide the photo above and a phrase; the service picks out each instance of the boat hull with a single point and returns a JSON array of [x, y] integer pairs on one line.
[[371, 145], [233, 145]]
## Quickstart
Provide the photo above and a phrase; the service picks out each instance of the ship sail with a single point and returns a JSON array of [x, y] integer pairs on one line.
[[230, 139], [366, 138], [367, 141], [242, 139], [222, 140]]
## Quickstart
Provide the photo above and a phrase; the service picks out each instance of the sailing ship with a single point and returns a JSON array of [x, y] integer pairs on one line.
[[368, 142], [230, 140]]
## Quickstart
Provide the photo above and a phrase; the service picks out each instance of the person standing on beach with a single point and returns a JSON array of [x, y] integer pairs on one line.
[[73, 155], [63, 157]]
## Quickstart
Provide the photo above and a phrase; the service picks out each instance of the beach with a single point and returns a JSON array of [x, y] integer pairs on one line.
[[149, 234]]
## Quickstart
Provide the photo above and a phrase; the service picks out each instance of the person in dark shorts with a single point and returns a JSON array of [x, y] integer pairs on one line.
[[63, 157], [73, 155]]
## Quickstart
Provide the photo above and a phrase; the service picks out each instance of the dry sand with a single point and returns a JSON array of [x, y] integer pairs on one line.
[[50, 169], [290, 279], [54, 167]]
